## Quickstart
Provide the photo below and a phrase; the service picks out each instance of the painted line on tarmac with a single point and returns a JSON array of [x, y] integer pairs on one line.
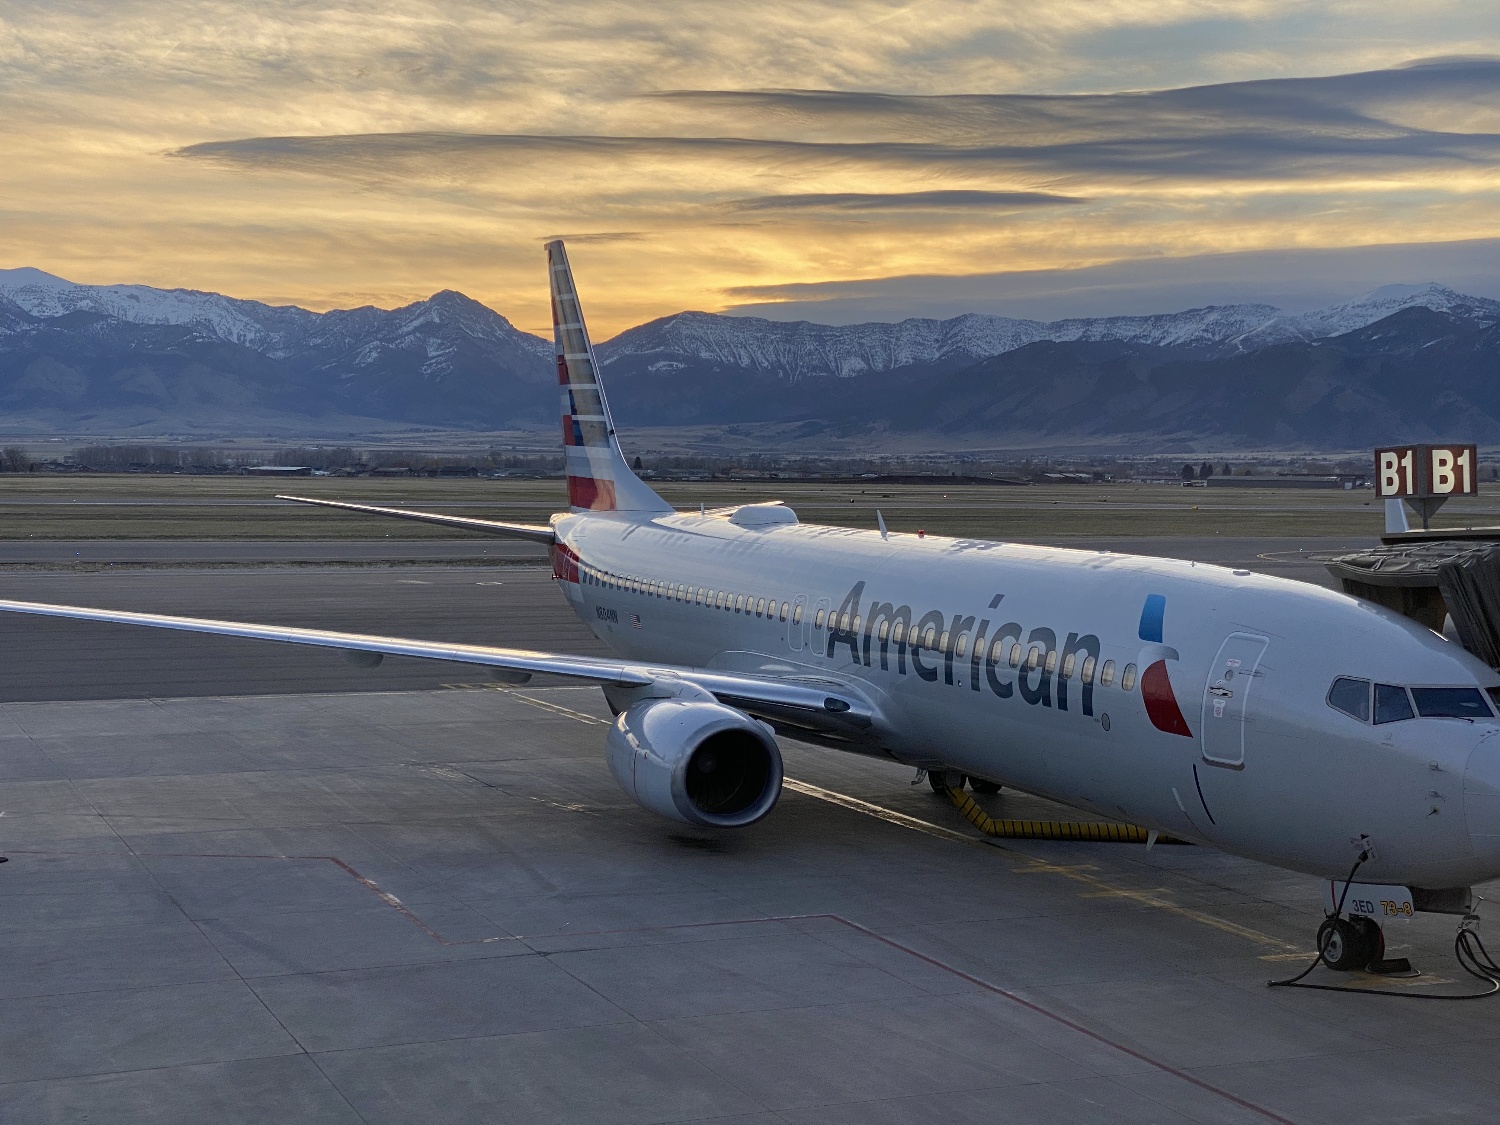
[[1023, 864], [1079, 873]]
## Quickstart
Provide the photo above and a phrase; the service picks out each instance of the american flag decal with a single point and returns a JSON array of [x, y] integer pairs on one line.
[[635, 620]]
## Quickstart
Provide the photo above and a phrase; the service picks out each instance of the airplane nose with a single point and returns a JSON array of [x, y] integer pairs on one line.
[[1482, 796]]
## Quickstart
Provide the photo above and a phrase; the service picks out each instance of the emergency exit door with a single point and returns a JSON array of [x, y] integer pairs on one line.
[[1228, 699]]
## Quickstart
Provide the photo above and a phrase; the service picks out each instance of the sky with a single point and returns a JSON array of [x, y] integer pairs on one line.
[[833, 161]]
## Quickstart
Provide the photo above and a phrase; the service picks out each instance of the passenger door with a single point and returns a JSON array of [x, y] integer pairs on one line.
[[818, 638], [798, 625], [1227, 699]]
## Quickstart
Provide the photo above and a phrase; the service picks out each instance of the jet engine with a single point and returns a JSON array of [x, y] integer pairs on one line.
[[696, 760]]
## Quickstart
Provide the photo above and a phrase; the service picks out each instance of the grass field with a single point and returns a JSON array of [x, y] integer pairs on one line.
[[171, 507]]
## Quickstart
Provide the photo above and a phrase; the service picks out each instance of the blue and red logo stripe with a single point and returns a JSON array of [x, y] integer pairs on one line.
[[1156, 685]]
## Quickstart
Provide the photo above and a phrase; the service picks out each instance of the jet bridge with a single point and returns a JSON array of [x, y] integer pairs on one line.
[[1451, 585]]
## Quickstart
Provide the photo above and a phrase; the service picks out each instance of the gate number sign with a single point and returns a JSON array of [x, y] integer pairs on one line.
[[1410, 472]]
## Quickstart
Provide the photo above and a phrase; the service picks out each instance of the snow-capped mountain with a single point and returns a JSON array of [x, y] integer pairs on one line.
[[266, 328], [355, 338], [112, 358], [800, 349], [432, 332], [1350, 316]]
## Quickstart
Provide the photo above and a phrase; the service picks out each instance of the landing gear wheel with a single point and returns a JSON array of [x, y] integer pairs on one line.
[[1374, 938], [1350, 943], [980, 785], [944, 780]]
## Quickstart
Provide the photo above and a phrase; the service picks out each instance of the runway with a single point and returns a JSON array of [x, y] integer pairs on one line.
[[279, 890]]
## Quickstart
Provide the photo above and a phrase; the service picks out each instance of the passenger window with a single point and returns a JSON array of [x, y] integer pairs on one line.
[[1015, 655], [1033, 658], [885, 630], [1068, 665], [760, 608], [818, 620], [785, 609], [1087, 672], [739, 603], [961, 649], [997, 652], [1051, 664], [929, 638], [1392, 704], [855, 627], [1352, 697], [943, 642], [898, 632], [1107, 674], [844, 623], [1450, 703], [1127, 678], [797, 616]]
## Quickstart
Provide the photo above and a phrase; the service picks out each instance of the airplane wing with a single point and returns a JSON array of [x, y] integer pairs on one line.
[[825, 707], [534, 532]]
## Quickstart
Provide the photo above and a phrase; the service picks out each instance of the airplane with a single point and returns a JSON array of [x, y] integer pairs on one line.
[[1266, 717]]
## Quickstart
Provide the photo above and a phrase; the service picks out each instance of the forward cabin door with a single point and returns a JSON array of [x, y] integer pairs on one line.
[[818, 636], [798, 623], [1228, 699]]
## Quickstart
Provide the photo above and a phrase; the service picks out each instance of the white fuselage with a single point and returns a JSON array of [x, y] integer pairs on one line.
[[1260, 765]]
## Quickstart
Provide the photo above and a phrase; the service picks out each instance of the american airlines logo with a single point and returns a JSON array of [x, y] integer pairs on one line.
[[1007, 658]]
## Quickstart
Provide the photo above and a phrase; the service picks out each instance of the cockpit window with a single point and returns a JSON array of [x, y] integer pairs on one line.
[[1352, 697], [1450, 703], [1392, 704]]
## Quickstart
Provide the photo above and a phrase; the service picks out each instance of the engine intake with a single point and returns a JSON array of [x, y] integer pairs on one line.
[[696, 761]]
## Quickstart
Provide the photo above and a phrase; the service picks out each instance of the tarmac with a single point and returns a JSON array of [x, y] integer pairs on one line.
[[293, 891]]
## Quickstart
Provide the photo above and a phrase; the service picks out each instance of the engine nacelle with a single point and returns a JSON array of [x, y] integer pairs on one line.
[[696, 760]]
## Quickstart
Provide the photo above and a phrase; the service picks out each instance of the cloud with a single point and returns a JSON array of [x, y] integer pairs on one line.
[[1295, 280], [381, 151], [906, 201], [1348, 126]]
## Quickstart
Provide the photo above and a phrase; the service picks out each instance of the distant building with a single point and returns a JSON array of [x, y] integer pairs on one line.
[[277, 470], [1337, 480]]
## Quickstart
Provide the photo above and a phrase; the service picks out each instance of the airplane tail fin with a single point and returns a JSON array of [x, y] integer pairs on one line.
[[599, 480]]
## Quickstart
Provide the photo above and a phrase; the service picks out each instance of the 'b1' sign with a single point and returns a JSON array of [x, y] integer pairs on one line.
[[1413, 472]]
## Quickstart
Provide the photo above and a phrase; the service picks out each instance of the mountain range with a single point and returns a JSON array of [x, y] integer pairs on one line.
[[1402, 362]]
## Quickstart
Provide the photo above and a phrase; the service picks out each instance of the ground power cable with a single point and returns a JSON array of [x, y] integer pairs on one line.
[[1098, 831], [1468, 949]]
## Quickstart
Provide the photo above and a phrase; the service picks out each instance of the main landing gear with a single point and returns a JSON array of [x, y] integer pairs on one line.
[[944, 780]]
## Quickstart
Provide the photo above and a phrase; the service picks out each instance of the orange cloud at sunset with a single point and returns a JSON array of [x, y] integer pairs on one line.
[[697, 155]]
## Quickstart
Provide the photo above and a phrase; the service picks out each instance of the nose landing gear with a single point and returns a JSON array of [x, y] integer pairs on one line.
[[1346, 944]]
